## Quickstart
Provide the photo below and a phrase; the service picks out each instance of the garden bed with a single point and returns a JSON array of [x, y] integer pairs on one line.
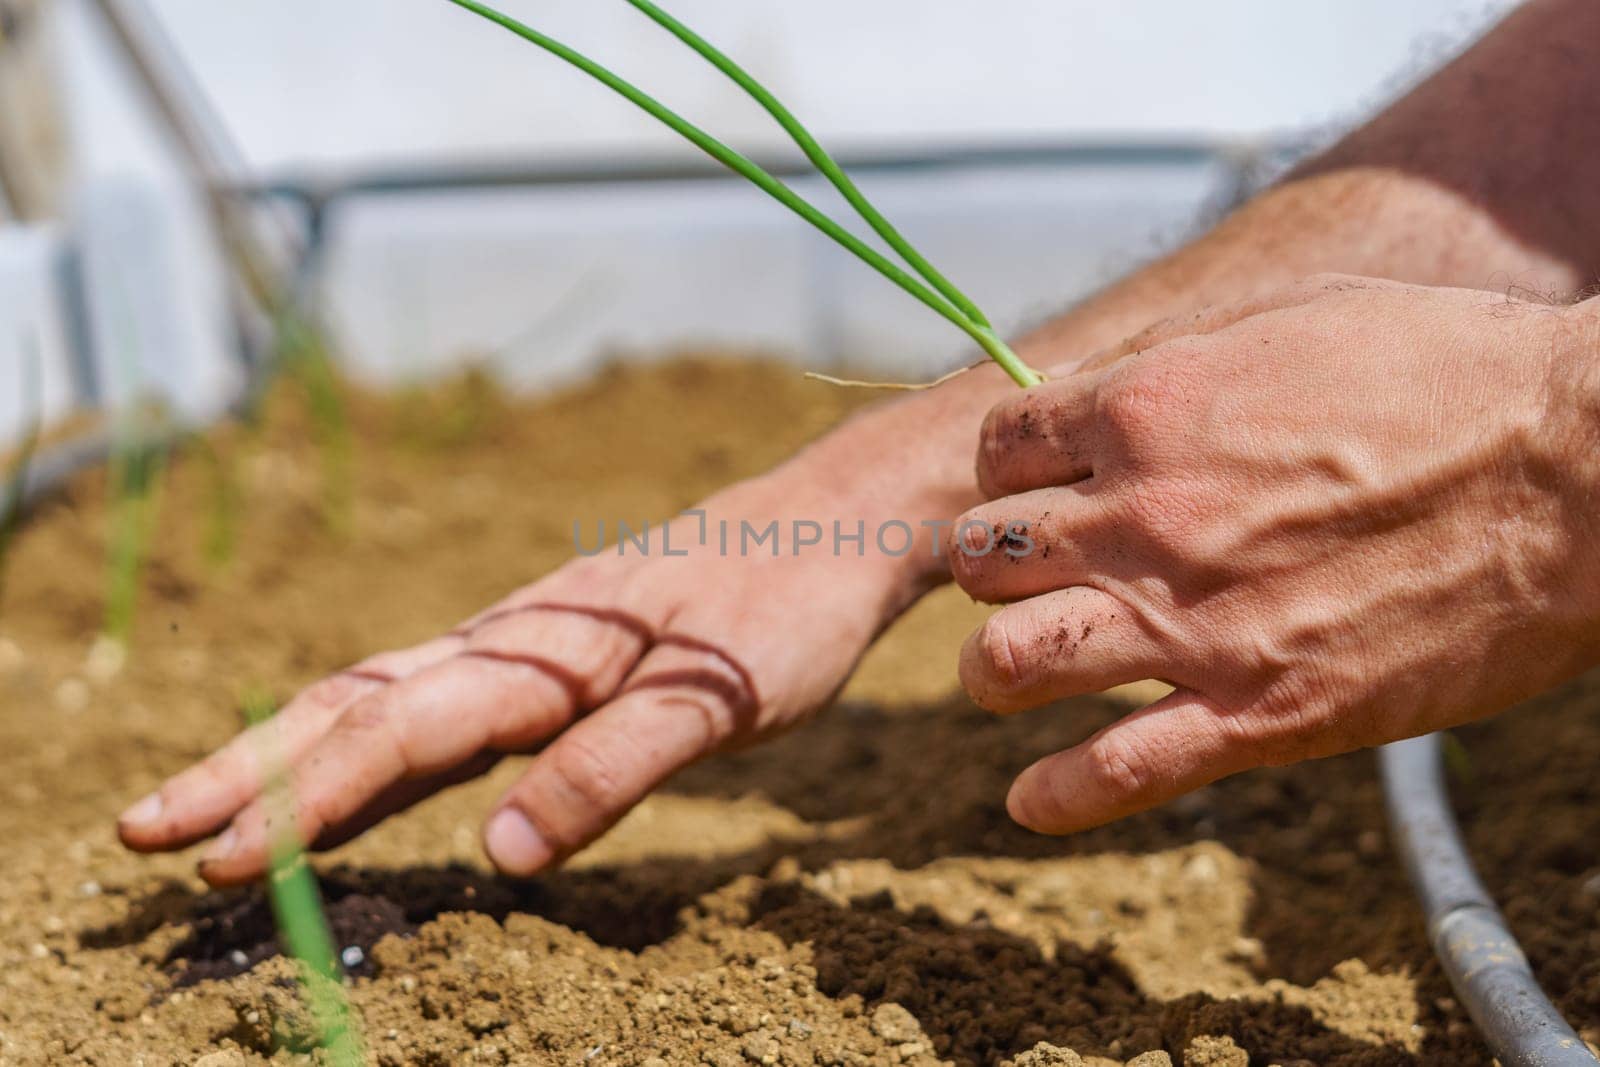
[[852, 893]]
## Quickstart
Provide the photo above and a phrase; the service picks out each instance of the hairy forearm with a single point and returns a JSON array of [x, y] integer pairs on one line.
[[1482, 177]]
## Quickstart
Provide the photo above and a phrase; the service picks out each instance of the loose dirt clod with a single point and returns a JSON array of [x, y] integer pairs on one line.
[[1045, 1054], [851, 894], [1215, 1052]]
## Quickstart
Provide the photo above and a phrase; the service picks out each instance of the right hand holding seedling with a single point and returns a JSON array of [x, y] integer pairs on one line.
[[1338, 515]]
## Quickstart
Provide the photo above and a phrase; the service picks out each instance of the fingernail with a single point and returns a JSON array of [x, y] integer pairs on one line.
[[145, 811], [514, 845], [222, 847]]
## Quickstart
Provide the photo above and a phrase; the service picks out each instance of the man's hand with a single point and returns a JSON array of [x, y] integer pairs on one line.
[[1351, 512], [1484, 172], [617, 671]]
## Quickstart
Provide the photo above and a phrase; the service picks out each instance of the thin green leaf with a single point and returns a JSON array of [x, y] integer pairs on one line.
[[819, 157], [991, 343], [137, 466], [297, 908]]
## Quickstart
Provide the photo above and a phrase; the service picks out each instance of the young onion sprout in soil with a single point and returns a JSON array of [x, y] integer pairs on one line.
[[137, 465], [297, 908], [929, 286], [302, 354]]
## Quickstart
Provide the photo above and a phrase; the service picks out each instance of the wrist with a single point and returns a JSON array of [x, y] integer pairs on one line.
[[895, 472], [1572, 399]]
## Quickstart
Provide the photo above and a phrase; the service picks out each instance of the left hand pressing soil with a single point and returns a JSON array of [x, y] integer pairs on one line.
[[1351, 512]]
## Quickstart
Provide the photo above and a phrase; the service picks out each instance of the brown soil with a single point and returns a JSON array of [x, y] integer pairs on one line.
[[850, 894]]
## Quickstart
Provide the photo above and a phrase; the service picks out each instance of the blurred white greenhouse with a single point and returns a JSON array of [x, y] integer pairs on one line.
[[464, 196]]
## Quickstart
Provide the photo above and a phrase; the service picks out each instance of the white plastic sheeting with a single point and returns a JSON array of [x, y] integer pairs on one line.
[[543, 282], [539, 284], [336, 85], [37, 379]]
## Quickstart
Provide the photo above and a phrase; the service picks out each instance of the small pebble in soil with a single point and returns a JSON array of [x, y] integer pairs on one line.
[[894, 1024], [1218, 1051], [239, 959], [72, 695], [1151, 1059], [352, 956], [1202, 868], [761, 1049], [105, 660], [224, 1058], [1591, 885], [1045, 1054]]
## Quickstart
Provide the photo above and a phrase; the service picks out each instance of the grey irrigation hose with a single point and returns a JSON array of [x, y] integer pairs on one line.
[[52, 466], [1481, 957]]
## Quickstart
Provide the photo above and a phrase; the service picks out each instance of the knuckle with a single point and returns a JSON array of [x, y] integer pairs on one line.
[[371, 729], [588, 773], [1135, 403], [390, 665], [334, 692], [1117, 769], [1291, 726], [994, 442], [1004, 668], [1247, 739], [1166, 520], [1161, 329], [1331, 280], [220, 769], [364, 717], [718, 708]]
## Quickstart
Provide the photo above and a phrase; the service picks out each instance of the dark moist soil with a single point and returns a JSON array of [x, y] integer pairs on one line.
[[852, 893]]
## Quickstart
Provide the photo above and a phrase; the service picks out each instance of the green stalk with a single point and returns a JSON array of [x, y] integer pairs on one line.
[[303, 355], [136, 469], [223, 502], [980, 332], [819, 157], [297, 908]]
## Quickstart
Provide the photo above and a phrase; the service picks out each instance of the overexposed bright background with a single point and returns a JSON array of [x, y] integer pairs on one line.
[[543, 282], [308, 83]]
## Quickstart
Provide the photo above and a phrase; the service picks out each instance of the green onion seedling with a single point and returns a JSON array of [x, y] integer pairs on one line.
[[926, 284], [138, 464], [224, 500], [297, 906], [302, 355]]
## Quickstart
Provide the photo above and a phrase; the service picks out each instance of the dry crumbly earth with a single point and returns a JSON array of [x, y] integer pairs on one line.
[[850, 894]]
